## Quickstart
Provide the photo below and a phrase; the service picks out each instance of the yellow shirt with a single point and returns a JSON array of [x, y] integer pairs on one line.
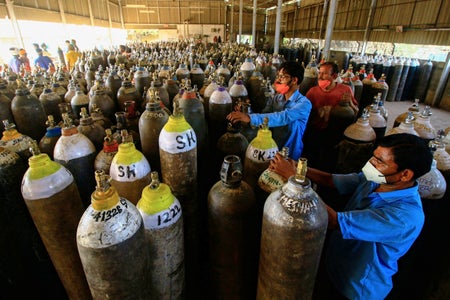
[[71, 59]]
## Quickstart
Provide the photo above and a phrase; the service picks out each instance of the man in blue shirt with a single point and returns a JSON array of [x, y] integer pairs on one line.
[[42, 61], [381, 220], [15, 62], [287, 112]]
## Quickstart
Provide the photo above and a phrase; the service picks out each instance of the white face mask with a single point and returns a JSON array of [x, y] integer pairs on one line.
[[372, 174]]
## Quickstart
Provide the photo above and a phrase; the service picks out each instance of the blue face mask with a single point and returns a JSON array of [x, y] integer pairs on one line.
[[373, 174]]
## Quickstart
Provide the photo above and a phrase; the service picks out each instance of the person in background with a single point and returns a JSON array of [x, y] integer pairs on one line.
[[42, 61], [287, 112], [381, 220], [74, 44], [44, 48], [14, 63], [72, 57], [321, 139], [66, 47], [25, 61]]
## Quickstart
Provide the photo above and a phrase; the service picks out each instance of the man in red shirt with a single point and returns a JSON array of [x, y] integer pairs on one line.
[[320, 139]]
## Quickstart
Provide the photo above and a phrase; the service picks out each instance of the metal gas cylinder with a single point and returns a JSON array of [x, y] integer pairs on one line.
[[377, 121], [157, 86], [425, 71], [114, 83], [91, 130], [178, 154], [414, 108], [104, 158], [233, 142], [5, 108], [403, 77], [15, 141], [59, 90], [51, 100], [132, 116], [233, 234], [127, 92], [48, 141], [209, 89], [194, 113], [395, 80], [151, 123], [341, 116], [441, 156], [260, 151], [407, 126], [423, 125], [357, 146], [357, 83], [164, 234], [310, 76], [103, 101], [52, 198], [247, 68], [220, 105], [238, 91], [269, 181], [7, 89], [368, 93], [130, 170], [254, 86], [24, 261], [141, 80], [111, 241], [79, 101], [172, 88], [432, 185], [77, 153], [197, 76], [29, 113], [224, 72], [98, 117], [293, 232], [381, 87], [71, 92], [182, 72]]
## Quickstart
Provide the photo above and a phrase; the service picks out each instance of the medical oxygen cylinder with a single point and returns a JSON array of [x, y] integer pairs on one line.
[[197, 76], [103, 101], [233, 234], [15, 141], [260, 151], [52, 198], [151, 123], [182, 72], [381, 87], [98, 117], [141, 79], [220, 105], [423, 125], [233, 142], [395, 80], [423, 80], [93, 131], [293, 231], [114, 83], [130, 170], [77, 153], [164, 234], [247, 68], [157, 85], [104, 158], [410, 84], [269, 181], [51, 100], [5, 108], [377, 121], [224, 72], [238, 91], [208, 90], [432, 185], [178, 154], [48, 141], [111, 241], [402, 82], [79, 101], [127, 92], [29, 114], [414, 108], [367, 92], [194, 113], [172, 88], [357, 83], [357, 145], [406, 126], [24, 262], [310, 76]]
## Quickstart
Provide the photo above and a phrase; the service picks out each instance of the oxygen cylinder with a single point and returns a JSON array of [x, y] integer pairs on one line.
[[247, 68], [238, 91], [269, 181], [29, 114], [77, 153], [104, 102], [151, 123], [402, 82], [381, 87], [432, 185], [310, 76], [254, 86], [141, 80], [178, 153], [367, 92], [51, 100], [210, 88], [414, 108], [407, 126], [224, 72], [233, 234], [98, 117], [157, 85], [172, 88], [48, 141], [79, 101], [395, 80], [114, 83], [424, 79], [220, 105], [258, 154], [52, 198], [182, 72], [197, 76], [194, 113], [233, 142], [24, 262], [293, 231], [357, 83], [423, 125], [357, 146], [410, 85], [127, 92], [5, 108], [104, 158], [111, 241], [132, 116], [341, 116], [163, 222], [130, 170], [91, 130], [377, 121]]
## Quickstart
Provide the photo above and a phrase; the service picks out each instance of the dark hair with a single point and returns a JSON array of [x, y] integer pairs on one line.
[[294, 69], [410, 152], [333, 65]]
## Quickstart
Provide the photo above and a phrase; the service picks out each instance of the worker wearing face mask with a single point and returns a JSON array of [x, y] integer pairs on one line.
[[382, 218], [320, 139], [287, 112]]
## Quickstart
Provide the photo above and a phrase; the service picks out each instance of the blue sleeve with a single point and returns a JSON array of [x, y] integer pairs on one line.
[[347, 183]]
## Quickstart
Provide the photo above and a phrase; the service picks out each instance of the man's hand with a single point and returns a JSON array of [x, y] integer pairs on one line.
[[237, 116], [282, 166]]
